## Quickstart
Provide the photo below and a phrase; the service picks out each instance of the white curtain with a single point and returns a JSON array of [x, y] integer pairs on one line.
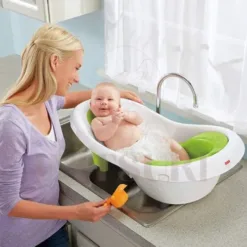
[[203, 40]]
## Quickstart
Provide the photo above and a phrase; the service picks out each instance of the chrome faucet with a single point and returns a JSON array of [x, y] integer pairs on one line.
[[158, 97]]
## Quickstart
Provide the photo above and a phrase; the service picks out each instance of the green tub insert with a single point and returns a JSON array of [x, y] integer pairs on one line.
[[97, 160], [198, 147]]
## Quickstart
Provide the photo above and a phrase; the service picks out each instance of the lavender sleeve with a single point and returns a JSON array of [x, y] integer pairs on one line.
[[58, 102], [12, 148]]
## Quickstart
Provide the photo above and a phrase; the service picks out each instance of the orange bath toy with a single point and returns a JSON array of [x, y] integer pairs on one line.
[[119, 197]]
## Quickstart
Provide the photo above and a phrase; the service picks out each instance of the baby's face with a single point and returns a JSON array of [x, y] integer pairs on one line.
[[104, 101]]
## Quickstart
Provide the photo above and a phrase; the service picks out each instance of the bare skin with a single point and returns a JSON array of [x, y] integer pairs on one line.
[[118, 129]]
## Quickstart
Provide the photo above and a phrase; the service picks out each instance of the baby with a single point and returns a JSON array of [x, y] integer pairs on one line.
[[121, 130]]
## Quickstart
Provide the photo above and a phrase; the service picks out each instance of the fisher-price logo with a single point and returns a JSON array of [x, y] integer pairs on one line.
[[227, 162]]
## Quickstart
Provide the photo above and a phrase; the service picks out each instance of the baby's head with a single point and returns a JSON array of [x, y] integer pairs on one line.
[[105, 99]]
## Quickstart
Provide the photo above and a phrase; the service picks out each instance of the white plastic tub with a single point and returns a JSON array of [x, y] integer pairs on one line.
[[177, 184], [176, 192]]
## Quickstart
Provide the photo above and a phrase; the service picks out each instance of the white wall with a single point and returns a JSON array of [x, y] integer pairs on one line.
[[18, 29], [7, 39]]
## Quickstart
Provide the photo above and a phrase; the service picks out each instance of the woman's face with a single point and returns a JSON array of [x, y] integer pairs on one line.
[[67, 71]]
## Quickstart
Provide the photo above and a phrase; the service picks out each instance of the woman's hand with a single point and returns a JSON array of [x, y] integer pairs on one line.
[[130, 95], [92, 211]]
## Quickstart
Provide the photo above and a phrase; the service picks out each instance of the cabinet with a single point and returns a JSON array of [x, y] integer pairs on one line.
[[33, 8], [52, 11], [78, 239], [83, 241]]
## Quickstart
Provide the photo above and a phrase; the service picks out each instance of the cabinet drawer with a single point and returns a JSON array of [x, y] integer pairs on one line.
[[84, 241]]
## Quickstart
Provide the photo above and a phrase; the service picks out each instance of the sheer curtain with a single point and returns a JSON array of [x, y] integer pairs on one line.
[[204, 40]]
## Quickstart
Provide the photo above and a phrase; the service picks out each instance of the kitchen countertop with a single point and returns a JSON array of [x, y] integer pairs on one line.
[[219, 219]]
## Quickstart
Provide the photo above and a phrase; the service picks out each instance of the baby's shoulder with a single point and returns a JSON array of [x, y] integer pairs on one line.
[[96, 119], [96, 122]]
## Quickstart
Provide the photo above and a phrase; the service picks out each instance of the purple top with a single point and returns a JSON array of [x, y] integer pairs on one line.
[[29, 168]]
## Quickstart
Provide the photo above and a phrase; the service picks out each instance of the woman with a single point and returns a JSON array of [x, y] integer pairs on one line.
[[31, 143]]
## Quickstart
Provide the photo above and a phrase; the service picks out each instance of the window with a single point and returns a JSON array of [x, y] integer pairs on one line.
[[203, 40]]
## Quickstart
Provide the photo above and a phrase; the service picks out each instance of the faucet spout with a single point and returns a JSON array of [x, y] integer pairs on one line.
[[158, 98]]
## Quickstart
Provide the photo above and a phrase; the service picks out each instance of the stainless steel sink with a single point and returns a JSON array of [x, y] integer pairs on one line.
[[77, 163]]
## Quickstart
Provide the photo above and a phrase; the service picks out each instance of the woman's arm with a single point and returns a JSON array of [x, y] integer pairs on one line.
[[89, 211], [34, 210], [12, 148], [74, 98]]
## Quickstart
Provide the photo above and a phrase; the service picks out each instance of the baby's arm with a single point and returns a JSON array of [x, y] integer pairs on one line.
[[103, 132], [133, 117]]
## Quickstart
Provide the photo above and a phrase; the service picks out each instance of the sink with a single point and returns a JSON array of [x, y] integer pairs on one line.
[[77, 163]]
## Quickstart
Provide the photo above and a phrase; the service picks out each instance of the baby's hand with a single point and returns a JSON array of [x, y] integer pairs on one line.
[[117, 116]]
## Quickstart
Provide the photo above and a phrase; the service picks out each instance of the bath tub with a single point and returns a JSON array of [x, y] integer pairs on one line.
[[175, 184]]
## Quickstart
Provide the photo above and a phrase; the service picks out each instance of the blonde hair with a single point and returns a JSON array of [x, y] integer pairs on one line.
[[48, 40]]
